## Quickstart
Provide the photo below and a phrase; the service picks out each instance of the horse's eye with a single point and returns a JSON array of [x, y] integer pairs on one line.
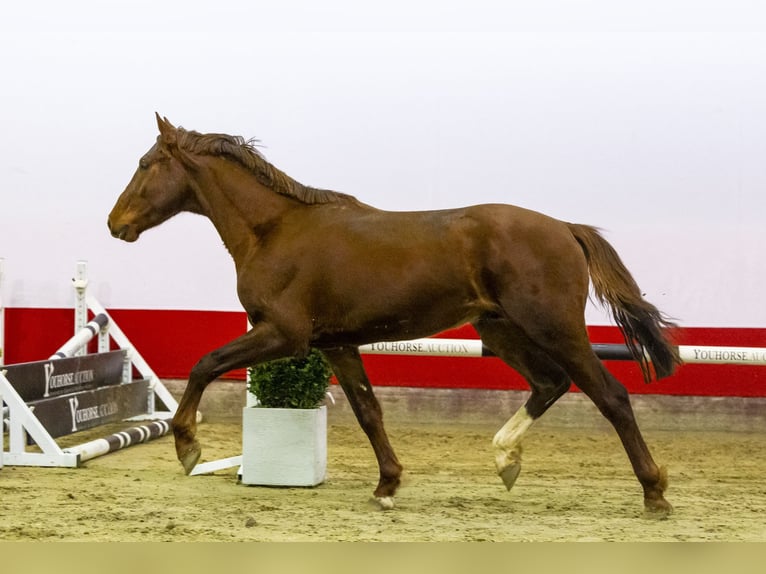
[[143, 163]]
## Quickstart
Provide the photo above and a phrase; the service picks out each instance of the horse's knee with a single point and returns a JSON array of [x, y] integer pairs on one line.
[[202, 371]]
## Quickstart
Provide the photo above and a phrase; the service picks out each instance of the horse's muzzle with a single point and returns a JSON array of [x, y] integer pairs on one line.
[[125, 232]]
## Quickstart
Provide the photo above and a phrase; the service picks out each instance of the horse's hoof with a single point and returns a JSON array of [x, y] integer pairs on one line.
[[657, 509], [385, 502], [190, 459], [509, 474]]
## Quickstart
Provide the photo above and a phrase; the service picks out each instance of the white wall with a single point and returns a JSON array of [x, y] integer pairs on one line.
[[644, 118]]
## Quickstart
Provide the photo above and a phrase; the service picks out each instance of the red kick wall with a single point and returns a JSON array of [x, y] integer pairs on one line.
[[173, 341]]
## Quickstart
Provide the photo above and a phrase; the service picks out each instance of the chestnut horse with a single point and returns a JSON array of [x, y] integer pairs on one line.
[[317, 268]]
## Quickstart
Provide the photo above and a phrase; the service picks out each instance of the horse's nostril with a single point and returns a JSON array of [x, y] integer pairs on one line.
[[118, 232], [112, 229]]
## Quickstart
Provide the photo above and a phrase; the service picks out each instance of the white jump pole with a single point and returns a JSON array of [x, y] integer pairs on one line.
[[429, 348], [433, 347], [128, 437], [691, 354], [82, 337]]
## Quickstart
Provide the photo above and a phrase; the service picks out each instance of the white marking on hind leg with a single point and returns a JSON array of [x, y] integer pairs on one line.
[[507, 443], [385, 502]]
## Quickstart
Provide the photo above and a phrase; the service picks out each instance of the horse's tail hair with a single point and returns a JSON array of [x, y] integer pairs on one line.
[[643, 326]]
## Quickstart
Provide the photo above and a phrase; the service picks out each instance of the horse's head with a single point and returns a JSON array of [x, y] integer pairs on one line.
[[159, 189]]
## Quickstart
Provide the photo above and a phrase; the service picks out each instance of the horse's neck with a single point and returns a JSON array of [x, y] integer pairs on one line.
[[238, 206]]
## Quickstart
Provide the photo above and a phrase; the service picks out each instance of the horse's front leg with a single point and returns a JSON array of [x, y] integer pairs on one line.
[[262, 343], [348, 368]]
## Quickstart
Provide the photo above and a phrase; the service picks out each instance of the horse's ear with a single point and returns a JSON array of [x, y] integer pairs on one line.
[[168, 132]]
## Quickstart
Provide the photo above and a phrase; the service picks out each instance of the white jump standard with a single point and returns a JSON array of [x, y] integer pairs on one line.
[[72, 391]]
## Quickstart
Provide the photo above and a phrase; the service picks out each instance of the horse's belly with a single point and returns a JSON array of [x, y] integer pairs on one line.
[[396, 319]]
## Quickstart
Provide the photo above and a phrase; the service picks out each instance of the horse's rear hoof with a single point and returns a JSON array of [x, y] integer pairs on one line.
[[657, 509], [509, 474], [189, 460], [385, 502]]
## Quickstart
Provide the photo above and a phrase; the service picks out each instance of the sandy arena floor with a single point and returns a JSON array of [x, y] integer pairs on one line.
[[576, 485]]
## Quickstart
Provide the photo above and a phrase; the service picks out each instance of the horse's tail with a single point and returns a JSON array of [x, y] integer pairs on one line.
[[642, 324]]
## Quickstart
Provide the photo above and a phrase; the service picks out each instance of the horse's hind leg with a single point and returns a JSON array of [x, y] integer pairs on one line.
[[612, 399], [349, 370], [546, 379], [549, 364], [567, 344]]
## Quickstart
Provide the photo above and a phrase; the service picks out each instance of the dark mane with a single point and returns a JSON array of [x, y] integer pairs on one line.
[[246, 154]]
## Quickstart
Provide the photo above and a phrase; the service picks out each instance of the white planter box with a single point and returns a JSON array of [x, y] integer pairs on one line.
[[284, 447]]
